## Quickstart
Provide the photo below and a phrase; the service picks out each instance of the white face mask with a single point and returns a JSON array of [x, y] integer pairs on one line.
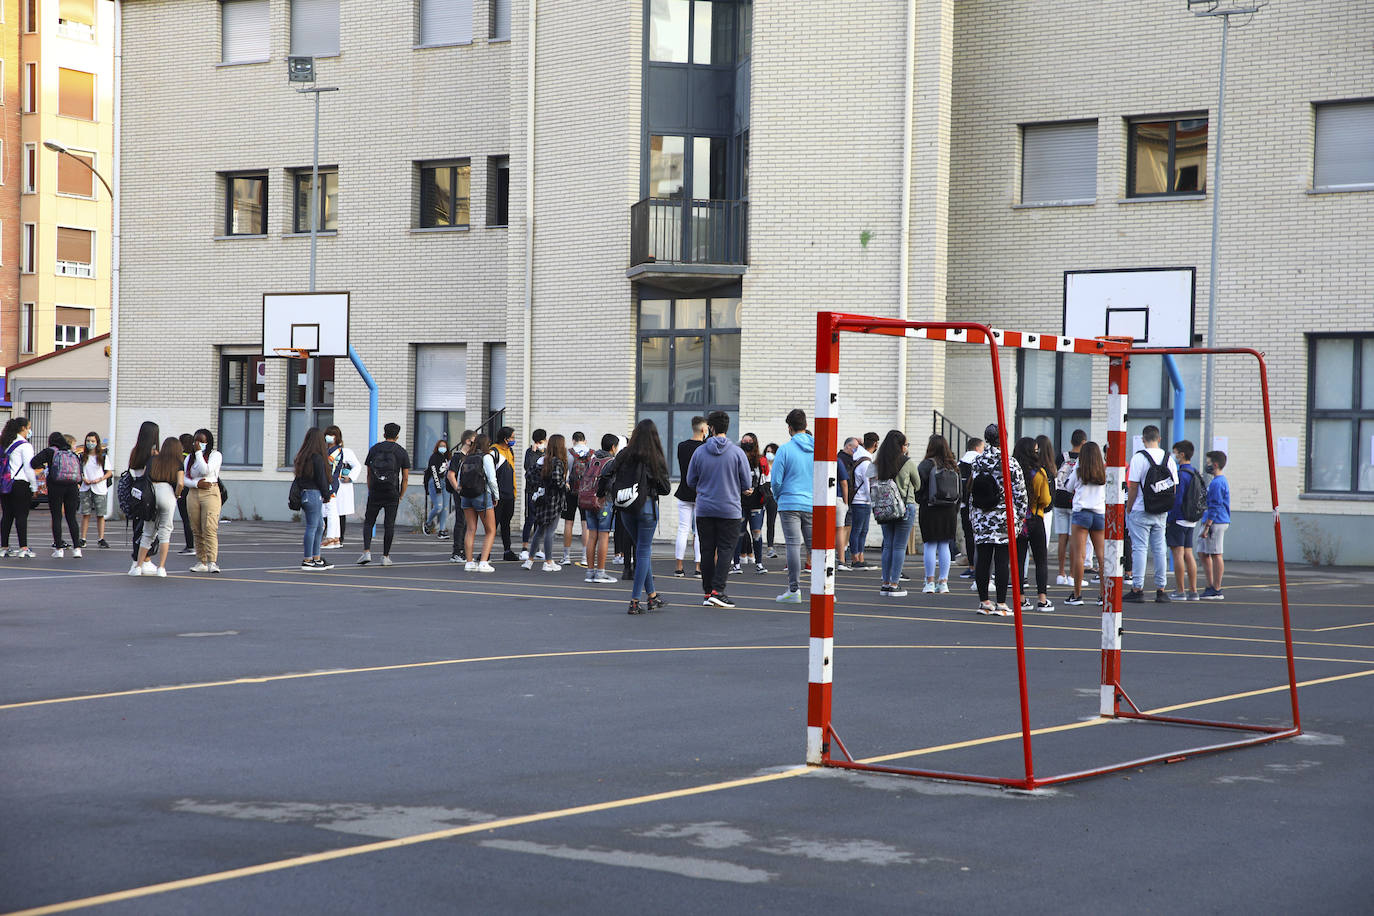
[[200, 446], [90, 445], [329, 440]]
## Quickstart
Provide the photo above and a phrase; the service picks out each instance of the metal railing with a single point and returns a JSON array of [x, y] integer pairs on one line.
[[942, 425], [493, 423], [671, 230]]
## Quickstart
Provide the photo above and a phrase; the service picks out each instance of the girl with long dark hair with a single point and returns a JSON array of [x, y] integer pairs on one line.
[[93, 497], [547, 485], [435, 469], [17, 452], [642, 461], [64, 480], [203, 502], [893, 468], [312, 474], [165, 472], [483, 505], [145, 447], [750, 546], [1031, 540], [1088, 483], [938, 521]]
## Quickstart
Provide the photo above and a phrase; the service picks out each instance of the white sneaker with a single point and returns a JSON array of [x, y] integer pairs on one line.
[[603, 576], [524, 554], [366, 558], [790, 597], [161, 572], [618, 561], [57, 553], [147, 569], [484, 566], [567, 558], [386, 560], [1063, 580], [552, 567], [528, 564], [200, 567], [76, 553], [591, 576], [929, 589], [5, 551], [214, 567], [539, 555], [135, 569], [27, 553]]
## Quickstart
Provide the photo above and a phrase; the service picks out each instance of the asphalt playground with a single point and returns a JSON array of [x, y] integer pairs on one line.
[[419, 739]]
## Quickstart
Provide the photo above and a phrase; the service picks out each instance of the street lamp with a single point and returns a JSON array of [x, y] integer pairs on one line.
[[63, 151]]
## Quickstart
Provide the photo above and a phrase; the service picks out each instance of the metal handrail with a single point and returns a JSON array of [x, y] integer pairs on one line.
[[676, 230], [942, 425]]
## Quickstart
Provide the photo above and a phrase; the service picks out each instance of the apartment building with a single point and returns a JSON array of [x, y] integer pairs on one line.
[[637, 208], [55, 215]]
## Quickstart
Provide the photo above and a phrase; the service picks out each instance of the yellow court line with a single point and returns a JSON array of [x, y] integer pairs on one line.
[[1347, 626], [136, 893]]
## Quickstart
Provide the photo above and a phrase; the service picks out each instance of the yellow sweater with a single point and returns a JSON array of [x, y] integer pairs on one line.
[[1040, 498]]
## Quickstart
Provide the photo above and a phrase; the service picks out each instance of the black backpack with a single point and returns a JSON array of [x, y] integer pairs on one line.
[[1194, 496], [472, 480], [1157, 488], [135, 495], [942, 489], [985, 491], [384, 473]]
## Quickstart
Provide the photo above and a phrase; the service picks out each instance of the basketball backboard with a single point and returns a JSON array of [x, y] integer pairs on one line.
[[312, 324], [1152, 306]]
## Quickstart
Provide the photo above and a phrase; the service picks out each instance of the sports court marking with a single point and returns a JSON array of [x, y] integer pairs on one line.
[[440, 663], [560, 813]]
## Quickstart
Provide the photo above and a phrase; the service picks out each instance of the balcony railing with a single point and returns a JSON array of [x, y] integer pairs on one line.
[[670, 230], [74, 269]]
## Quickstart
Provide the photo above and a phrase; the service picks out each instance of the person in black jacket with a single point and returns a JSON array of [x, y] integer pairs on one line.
[[435, 491], [642, 465], [505, 486], [62, 494], [312, 475], [687, 498], [975, 448], [538, 440]]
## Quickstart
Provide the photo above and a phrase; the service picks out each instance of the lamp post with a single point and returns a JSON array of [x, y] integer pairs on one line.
[[114, 290]]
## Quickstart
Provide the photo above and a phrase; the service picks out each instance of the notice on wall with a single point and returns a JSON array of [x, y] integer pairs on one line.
[[1221, 444], [1286, 451]]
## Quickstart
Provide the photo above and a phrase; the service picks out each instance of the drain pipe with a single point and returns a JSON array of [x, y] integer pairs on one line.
[[904, 256], [527, 370], [114, 237]]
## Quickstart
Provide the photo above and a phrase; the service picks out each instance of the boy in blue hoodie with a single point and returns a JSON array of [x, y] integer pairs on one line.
[[719, 472], [1213, 524], [792, 469]]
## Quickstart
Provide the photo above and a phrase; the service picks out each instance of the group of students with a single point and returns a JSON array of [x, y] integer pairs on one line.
[[76, 480]]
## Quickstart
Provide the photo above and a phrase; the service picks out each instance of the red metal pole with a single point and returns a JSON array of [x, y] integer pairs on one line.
[[822, 642]]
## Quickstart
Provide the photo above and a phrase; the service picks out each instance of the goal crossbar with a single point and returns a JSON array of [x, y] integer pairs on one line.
[[821, 733]]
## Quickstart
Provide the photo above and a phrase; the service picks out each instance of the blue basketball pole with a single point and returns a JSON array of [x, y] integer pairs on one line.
[[371, 395]]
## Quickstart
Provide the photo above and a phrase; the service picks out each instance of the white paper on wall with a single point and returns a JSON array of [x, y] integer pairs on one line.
[[1221, 444], [1286, 451]]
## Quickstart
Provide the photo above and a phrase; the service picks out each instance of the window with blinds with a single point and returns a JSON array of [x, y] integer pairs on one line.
[[441, 391], [245, 33], [76, 94], [314, 28], [75, 249], [75, 178], [1059, 162], [1345, 145], [445, 22]]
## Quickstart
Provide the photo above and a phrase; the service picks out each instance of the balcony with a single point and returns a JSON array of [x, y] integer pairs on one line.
[[74, 269], [688, 241]]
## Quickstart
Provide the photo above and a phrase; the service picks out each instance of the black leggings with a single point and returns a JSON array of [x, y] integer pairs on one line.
[[460, 529], [62, 500], [992, 555], [1035, 535], [505, 510], [389, 525], [15, 515], [770, 510], [185, 522]]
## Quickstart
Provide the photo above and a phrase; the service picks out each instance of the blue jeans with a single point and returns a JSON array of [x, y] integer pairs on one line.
[[895, 535], [937, 552], [640, 526], [859, 514], [1147, 531], [438, 504], [312, 508]]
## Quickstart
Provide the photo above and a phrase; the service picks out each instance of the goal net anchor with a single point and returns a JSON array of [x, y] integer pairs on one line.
[[821, 733]]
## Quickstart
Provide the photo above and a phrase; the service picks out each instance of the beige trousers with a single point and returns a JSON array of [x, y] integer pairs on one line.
[[203, 507]]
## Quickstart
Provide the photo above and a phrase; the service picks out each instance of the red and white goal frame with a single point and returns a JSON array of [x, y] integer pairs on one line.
[[821, 735]]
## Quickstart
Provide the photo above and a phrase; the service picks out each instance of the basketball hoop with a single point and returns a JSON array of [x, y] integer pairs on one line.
[[293, 352]]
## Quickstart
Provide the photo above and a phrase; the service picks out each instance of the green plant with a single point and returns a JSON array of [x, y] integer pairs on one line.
[[865, 237], [1318, 547]]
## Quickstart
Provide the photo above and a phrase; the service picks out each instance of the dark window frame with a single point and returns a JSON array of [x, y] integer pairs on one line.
[[229, 179], [1173, 121], [314, 407], [1355, 414], [498, 192], [240, 409], [452, 165], [1070, 417], [670, 437], [300, 218]]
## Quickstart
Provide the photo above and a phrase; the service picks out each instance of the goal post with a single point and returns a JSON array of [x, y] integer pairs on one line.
[[822, 739]]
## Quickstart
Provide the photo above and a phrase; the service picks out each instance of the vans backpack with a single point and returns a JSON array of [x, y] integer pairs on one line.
[[942, 489], [587, 484], [65, 466], [1194, 496], [472, 479], [1157, 488]]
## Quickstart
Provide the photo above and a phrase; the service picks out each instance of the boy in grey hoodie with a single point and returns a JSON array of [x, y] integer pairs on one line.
[[719, 472]]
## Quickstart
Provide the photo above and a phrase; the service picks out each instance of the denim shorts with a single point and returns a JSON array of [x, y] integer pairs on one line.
[[597, 519], [478, 503], [1176, 535], [1087, 518]]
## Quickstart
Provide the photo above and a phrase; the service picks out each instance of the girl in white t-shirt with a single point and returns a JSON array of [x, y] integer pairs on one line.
[[93, 496], [1088, 483]]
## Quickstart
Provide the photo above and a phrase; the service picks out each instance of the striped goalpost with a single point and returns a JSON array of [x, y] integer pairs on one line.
[[822, 740]]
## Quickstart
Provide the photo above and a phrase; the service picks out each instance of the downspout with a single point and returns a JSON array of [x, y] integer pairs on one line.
[[114, 227], [904, 256], [527, 371]]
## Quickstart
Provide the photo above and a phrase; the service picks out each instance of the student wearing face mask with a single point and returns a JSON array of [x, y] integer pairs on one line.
[[505, 485], [435, 469], [203, 502], [17, 483], [344, 469], [93, 497], [64, 478]]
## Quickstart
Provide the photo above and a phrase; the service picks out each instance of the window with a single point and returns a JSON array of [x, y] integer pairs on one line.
[[1345, 145], [1152, 399], [26, 328], [245, 204], [498, 191], [73, 177], [73, 326], [30, 16], [691, 31], [30, 89], [314, 28], [499, 20], [445, 22], [309, 399], [496, 383], [76, 19], [242, 381], [689, 360], [76, 94], [328, 219], [28, 248], [1059, 162], [30, 168], [1053, 395], [444, 194], [441, 394], [245, 31], [75, 252], [1340, 414], [1167, 157]]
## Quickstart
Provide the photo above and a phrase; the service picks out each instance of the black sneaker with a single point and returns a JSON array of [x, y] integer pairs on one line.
[[323, 564], [308, 566], [681, 573], [634, 607], [510, 555], [657, 603], [1135, 596], [720, 599], [1161, 596], [102, 544], [1074, 600], [966, 574]]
